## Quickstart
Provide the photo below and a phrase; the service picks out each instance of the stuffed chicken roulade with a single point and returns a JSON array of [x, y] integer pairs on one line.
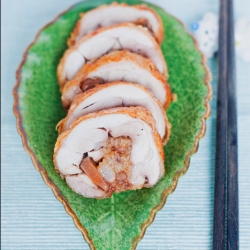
[[118, 66], [117, 94], [122, 36], [110, 151], [115, 13]]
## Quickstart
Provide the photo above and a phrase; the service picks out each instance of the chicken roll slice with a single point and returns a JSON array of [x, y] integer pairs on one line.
[[107, 15], [110, 151], [117, 94], [118, 66], [122, 36]]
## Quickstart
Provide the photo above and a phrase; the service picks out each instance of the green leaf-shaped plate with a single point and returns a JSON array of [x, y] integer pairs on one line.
[[121, 221]]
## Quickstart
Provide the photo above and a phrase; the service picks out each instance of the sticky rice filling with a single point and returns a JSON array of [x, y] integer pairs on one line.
[[112, 163]]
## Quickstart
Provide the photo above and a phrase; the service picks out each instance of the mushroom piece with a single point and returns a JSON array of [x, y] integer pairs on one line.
[[89, 167], [132, 149], [117, 94], [122, 36], [118, 66], [107, 15]]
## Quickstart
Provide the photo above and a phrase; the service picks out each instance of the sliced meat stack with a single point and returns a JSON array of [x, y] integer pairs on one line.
[[113, 80], [116, 94], [107, 15], [121, 36], [110, 151], [118, 66]]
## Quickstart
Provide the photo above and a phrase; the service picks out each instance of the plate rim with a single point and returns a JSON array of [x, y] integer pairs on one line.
[[42, 171]]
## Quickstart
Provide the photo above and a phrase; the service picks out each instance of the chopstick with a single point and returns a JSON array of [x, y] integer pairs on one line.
[[226, 232], [232, 154], [221, 135]]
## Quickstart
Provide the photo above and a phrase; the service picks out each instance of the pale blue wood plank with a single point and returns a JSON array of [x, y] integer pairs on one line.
[[31, 216]]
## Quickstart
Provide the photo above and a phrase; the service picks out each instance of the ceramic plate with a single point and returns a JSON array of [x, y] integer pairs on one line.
[[119, 222]]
